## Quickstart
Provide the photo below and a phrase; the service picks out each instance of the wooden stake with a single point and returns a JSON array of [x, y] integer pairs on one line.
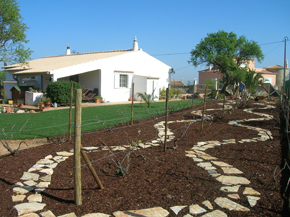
[[77, 149], [166, 119], [223, 114], [287, 110], [91, 168], [70, 109], [204, 103], [132, 104]]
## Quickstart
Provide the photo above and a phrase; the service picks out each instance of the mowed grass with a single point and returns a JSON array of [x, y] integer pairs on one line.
[[55, 123]]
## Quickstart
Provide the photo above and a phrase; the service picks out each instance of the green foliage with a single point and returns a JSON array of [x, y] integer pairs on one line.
[[253, 79], [148, 98], [3, 93], [12, 34], [226, 53], [60, 91], [20, 101], [172, 92], [2, 77], [98, 97], [213, 93], [221, 95]]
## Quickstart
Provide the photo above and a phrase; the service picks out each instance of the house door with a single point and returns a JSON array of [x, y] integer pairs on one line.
[[150, 86]]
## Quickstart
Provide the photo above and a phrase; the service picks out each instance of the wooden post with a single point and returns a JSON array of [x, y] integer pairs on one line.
[[223, 115], [70, 110], [132, 104], [193, 91], [204, 103], [77, 149], [287, 110], [91, 168], [166, 119]]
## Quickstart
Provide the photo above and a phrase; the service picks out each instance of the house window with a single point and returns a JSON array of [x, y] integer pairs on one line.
[[123, 80], [32, 77]]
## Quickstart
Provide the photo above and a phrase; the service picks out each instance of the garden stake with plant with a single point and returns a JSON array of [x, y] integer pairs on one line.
[[204, 102], [166, 119], [70, 109], [77, 149], [132, 104]]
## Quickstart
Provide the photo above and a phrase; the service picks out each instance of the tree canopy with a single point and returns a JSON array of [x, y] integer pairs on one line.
[[12, 36], [226, 52]]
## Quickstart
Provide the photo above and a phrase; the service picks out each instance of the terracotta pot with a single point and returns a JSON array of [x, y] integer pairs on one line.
[[47, 104], [130, 99], [21, 106], [41, 107], [98, 100]]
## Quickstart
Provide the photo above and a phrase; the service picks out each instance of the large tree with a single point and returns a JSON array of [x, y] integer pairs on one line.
[[12, 35], [226, 53]]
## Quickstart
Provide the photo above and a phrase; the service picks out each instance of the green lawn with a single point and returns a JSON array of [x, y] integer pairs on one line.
[[55, 123]]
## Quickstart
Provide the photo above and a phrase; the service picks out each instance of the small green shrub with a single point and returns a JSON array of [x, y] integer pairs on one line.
[[59, 91], [213, 93], [221, 95]]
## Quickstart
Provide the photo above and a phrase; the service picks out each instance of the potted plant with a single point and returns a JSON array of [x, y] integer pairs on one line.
[[98, 99], [20, 103], [41, 105], [47, 102]]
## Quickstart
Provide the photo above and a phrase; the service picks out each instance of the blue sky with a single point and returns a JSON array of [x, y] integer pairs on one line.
[[161, 27]]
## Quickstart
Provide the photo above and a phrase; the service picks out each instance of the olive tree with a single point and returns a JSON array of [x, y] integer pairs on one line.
[[226, 52]]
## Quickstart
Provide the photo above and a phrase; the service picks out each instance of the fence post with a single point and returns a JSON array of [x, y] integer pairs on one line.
[[287, 110], [166, 119], [132, 104], [223, 114], [193, 91], [204, 102], [70, 109], [77, 149]]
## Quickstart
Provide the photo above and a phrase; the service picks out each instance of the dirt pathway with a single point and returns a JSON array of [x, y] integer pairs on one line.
[[14, 144]]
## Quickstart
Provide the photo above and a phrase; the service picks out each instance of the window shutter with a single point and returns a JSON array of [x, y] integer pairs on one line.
[[117, 80]]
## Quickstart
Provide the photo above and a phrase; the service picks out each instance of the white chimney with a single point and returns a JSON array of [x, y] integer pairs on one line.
[[67, 50], [182, 80], [209, 67], [135, 44]]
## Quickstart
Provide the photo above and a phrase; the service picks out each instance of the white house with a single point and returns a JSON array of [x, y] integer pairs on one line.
[[110, 73]]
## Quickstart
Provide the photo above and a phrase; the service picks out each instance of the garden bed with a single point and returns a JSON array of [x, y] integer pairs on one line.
[[161, 179]]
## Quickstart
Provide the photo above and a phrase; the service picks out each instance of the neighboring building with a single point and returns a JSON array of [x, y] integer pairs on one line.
[[272, 74], [110, 73], [177, 83]]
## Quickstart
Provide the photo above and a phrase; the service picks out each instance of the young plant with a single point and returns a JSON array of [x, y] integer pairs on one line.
[[148, 98]]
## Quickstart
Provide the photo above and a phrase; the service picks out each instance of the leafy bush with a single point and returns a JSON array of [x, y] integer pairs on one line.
[[59, 91], [213, 93], [172, 92]]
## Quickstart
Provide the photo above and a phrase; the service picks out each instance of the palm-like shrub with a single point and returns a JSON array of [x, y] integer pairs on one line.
[[148, 98]]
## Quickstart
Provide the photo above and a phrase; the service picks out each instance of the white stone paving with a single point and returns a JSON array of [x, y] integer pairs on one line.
[[231, 182]]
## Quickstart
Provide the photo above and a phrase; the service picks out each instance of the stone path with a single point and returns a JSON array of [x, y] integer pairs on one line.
[[38, 177]]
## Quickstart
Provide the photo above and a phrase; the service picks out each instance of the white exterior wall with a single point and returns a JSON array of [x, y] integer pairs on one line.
[[138, 62], [90, 80], [153, 85], [140, 86]]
